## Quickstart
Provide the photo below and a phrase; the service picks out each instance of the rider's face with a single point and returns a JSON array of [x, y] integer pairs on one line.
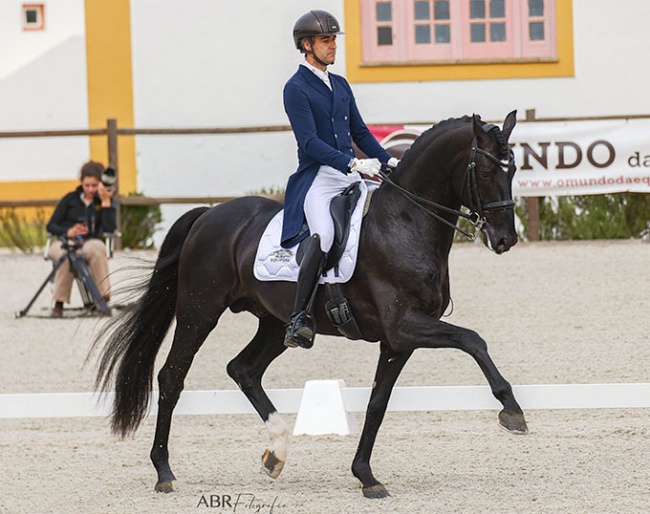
[[324, 48]]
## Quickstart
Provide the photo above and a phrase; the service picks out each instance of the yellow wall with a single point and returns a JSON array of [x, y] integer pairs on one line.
[[564, 67], [110, 84]]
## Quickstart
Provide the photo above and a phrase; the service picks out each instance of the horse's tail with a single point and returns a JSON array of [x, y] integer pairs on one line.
[[132, 340]]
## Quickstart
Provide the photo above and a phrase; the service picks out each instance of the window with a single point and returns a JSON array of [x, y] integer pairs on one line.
[[412, 31], [33, 16]]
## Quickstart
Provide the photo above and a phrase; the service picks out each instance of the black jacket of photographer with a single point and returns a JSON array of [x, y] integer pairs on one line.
[[72, 210]]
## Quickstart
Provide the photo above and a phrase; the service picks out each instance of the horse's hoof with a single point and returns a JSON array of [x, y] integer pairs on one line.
[[375, 492], [513, 422], [271, 465], [164, 487]]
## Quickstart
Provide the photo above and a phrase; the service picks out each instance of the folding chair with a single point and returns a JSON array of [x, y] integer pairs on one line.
[[88, 290]]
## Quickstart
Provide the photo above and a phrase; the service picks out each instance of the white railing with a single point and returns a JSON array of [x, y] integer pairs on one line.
[[553, 396]]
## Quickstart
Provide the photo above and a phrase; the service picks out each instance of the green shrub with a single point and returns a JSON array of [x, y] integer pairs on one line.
[[139, 224], [609, 216], [19, 231]]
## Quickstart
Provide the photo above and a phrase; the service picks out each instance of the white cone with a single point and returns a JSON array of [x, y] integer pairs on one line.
[[322, 410]]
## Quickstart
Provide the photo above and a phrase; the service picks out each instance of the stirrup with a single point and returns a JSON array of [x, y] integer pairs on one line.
[[300, 332]]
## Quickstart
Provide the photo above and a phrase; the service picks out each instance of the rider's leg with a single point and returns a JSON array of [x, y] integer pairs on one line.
[[301, 329], [327, 184]]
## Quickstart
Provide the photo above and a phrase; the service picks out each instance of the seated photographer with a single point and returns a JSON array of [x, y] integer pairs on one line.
[[83, 216]]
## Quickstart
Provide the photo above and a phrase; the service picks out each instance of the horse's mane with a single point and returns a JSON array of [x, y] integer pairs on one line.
[[445, 126], [424, 140]]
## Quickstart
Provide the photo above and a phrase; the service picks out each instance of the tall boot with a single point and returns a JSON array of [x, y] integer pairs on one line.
[[301, 329]]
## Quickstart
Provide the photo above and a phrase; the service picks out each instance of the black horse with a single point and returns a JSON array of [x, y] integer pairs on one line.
[[398, 292]]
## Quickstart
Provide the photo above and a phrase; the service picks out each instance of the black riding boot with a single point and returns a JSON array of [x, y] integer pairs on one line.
[[301, 329]]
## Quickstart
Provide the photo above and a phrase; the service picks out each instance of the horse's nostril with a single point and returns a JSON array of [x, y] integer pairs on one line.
[[506, 243]]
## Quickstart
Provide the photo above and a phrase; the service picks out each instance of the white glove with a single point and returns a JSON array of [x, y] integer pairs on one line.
[[393, 162], [368, 167]]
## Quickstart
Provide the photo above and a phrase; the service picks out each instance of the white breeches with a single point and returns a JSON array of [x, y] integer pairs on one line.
[[328, 183]]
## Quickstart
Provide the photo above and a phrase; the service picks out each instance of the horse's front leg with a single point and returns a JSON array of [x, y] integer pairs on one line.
[[417, 330], [389, 367]]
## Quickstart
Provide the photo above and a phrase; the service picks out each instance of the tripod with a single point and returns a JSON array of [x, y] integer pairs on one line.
[[89, 292]]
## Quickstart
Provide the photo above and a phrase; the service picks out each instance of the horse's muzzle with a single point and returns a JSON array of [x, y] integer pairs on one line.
[[499, 243], [505, 243]]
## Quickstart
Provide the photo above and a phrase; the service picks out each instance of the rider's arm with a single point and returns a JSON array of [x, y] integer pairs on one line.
[[302, 121]]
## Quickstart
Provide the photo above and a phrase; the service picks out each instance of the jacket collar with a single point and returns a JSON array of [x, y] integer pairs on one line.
[[315, 82]]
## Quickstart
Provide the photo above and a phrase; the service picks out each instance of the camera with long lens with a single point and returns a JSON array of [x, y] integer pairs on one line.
[[109, 177]]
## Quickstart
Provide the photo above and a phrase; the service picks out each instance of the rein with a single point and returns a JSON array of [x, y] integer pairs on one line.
[[476, 216]]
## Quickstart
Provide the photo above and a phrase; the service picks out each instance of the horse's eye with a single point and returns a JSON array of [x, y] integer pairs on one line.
[[485, 173]]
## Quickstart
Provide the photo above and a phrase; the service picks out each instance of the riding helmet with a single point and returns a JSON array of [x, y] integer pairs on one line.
[[314, 23]]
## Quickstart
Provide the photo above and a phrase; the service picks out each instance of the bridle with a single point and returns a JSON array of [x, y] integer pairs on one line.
[[477, 208]]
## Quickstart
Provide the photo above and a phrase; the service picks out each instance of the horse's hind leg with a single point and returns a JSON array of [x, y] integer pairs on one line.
[[247, 369], [188, 338], [389, 367]]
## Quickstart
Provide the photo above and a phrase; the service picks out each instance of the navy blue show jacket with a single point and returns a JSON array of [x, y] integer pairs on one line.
[[324, 123]]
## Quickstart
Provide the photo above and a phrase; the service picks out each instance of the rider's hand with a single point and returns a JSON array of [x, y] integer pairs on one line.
[[393, 162], [368, 167]]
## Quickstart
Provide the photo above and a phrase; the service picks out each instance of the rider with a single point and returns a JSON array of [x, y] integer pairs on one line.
[[325, 120]]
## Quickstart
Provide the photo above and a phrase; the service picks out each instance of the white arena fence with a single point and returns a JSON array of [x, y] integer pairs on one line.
[[322, 394]]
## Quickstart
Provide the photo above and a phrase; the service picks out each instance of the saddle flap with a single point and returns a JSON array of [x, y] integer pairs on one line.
[[341, 209]]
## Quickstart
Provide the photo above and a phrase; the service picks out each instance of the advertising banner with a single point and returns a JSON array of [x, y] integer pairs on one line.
[[571, 157], [582, 157]]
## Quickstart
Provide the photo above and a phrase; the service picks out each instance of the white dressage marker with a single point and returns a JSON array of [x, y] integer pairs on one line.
[[323, 410]]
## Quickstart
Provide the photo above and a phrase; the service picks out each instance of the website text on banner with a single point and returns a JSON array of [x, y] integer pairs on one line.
[[582, 158], [574, 157]]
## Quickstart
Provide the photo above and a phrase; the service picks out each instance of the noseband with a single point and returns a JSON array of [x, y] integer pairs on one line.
[[476, 216]]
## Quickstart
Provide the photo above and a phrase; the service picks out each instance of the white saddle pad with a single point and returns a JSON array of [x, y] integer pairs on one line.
[[273, 262]]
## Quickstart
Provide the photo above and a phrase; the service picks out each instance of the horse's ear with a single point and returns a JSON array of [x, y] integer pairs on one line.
[[509, 124]]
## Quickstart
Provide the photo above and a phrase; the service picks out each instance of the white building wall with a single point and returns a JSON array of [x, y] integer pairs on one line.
[[43, 87]]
